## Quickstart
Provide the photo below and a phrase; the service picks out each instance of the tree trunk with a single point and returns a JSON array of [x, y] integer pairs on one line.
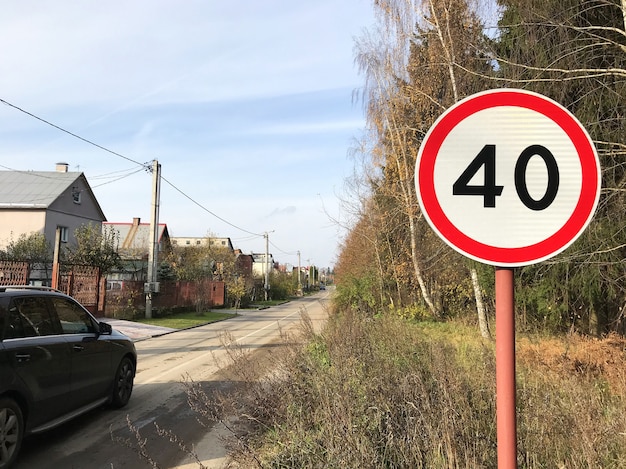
[[418, 271], [483, 323]]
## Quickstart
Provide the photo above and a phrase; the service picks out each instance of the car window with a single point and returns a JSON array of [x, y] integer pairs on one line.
[[3, 320], [29, 316], [18, 326], [74, 319]]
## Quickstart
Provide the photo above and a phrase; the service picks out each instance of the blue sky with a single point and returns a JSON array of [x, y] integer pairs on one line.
[[247, 105]]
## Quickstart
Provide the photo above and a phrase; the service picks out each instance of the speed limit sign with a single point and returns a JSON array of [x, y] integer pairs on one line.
[[508, 177]]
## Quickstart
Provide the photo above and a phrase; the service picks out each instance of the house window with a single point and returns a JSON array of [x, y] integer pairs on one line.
[[198, 242], [187, 242], [76, 193], [64, 231]]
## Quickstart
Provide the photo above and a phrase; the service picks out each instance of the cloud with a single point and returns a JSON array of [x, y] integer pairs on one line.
[[247, 106], [278, 212]]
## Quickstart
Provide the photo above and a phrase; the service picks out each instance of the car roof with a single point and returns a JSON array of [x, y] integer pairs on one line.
[[19, 290]]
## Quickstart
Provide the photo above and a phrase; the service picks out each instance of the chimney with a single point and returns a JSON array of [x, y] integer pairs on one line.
[[62, 167]]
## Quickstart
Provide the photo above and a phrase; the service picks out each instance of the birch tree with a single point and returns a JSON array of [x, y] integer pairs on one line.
[[412, 77]]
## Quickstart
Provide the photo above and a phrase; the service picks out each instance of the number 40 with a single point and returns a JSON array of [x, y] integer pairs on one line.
[[489, 190]]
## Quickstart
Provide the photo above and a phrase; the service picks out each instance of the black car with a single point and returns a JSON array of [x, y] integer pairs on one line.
[[56, 362]]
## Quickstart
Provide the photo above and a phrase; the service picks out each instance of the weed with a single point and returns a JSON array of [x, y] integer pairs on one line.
[[386, 392], [390, 393]]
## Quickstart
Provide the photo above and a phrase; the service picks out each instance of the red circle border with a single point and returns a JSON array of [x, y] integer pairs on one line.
[[495, 255]]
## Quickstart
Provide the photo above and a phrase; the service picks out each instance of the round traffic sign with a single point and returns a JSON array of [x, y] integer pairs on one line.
[[508, 177]]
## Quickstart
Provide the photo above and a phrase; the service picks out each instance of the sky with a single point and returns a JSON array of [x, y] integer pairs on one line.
[[247, 105]]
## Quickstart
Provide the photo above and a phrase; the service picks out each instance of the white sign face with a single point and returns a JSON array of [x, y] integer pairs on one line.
[[508, 177]]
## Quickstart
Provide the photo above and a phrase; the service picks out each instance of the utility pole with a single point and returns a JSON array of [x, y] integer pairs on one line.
[[308, 275], [299, 272], [267, 268], [151, 285], [55, 259]]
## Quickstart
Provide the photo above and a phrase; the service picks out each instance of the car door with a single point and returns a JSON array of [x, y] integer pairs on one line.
[[92, 373], [36, 350]]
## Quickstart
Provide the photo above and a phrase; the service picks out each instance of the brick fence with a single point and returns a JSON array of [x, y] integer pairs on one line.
[[122, 298], [127, 299]]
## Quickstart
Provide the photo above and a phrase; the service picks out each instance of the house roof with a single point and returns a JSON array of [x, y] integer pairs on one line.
[[136, 236], [260, 257], [36, 189]]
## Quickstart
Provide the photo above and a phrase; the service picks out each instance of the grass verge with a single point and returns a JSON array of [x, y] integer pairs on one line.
[[186, 320]]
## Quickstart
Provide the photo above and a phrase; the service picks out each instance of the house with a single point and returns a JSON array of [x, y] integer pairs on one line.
[[42, 201], [205, 253], [134, 246], [243, 263], [126, 287], [260, 265], [205, 241]]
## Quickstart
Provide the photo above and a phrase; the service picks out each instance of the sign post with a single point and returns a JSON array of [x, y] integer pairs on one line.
[[505, 368], [508, 178]]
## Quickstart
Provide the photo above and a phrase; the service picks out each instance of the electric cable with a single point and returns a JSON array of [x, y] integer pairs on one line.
[[207, 210], [144, 166], [70, 133], [284, 252], [117, 178]]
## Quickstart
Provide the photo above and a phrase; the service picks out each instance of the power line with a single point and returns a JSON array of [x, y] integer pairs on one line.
[[144, 166], [247, 238], [71, 133], [118, 178], [284, 252], [207, 210], [115, 173]]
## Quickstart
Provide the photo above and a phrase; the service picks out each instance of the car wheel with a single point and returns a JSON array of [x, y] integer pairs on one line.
[[11, 431], [123, 384]]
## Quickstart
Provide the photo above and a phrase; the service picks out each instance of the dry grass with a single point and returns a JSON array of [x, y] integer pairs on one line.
[[575, 355], [385, 393], [571, 394]]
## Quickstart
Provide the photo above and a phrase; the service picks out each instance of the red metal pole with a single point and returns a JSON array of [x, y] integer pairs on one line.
[[505, 369]]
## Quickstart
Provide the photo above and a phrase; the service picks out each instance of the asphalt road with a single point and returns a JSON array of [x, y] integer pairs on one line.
[[97, 440]]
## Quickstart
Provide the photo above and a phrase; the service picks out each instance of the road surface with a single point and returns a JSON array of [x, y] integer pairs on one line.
[[96, 440]]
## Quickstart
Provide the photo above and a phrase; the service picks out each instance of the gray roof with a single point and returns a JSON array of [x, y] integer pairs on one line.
[[136, 237], [33, 189]]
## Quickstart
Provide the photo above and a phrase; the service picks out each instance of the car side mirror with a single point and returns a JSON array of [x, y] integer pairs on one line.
[[105, 328]]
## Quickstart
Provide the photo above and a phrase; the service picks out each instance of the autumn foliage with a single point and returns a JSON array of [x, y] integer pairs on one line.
[[427, 55]]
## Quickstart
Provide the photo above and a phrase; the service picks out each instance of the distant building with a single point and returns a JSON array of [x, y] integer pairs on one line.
[[203, 241], [260, 264], [243, 263], [134, 246]]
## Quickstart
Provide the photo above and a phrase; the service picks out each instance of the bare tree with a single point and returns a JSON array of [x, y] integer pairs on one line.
[[411, 77], [382, 66]]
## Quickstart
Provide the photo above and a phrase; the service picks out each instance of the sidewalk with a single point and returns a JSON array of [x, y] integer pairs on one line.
[[136, 330]]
